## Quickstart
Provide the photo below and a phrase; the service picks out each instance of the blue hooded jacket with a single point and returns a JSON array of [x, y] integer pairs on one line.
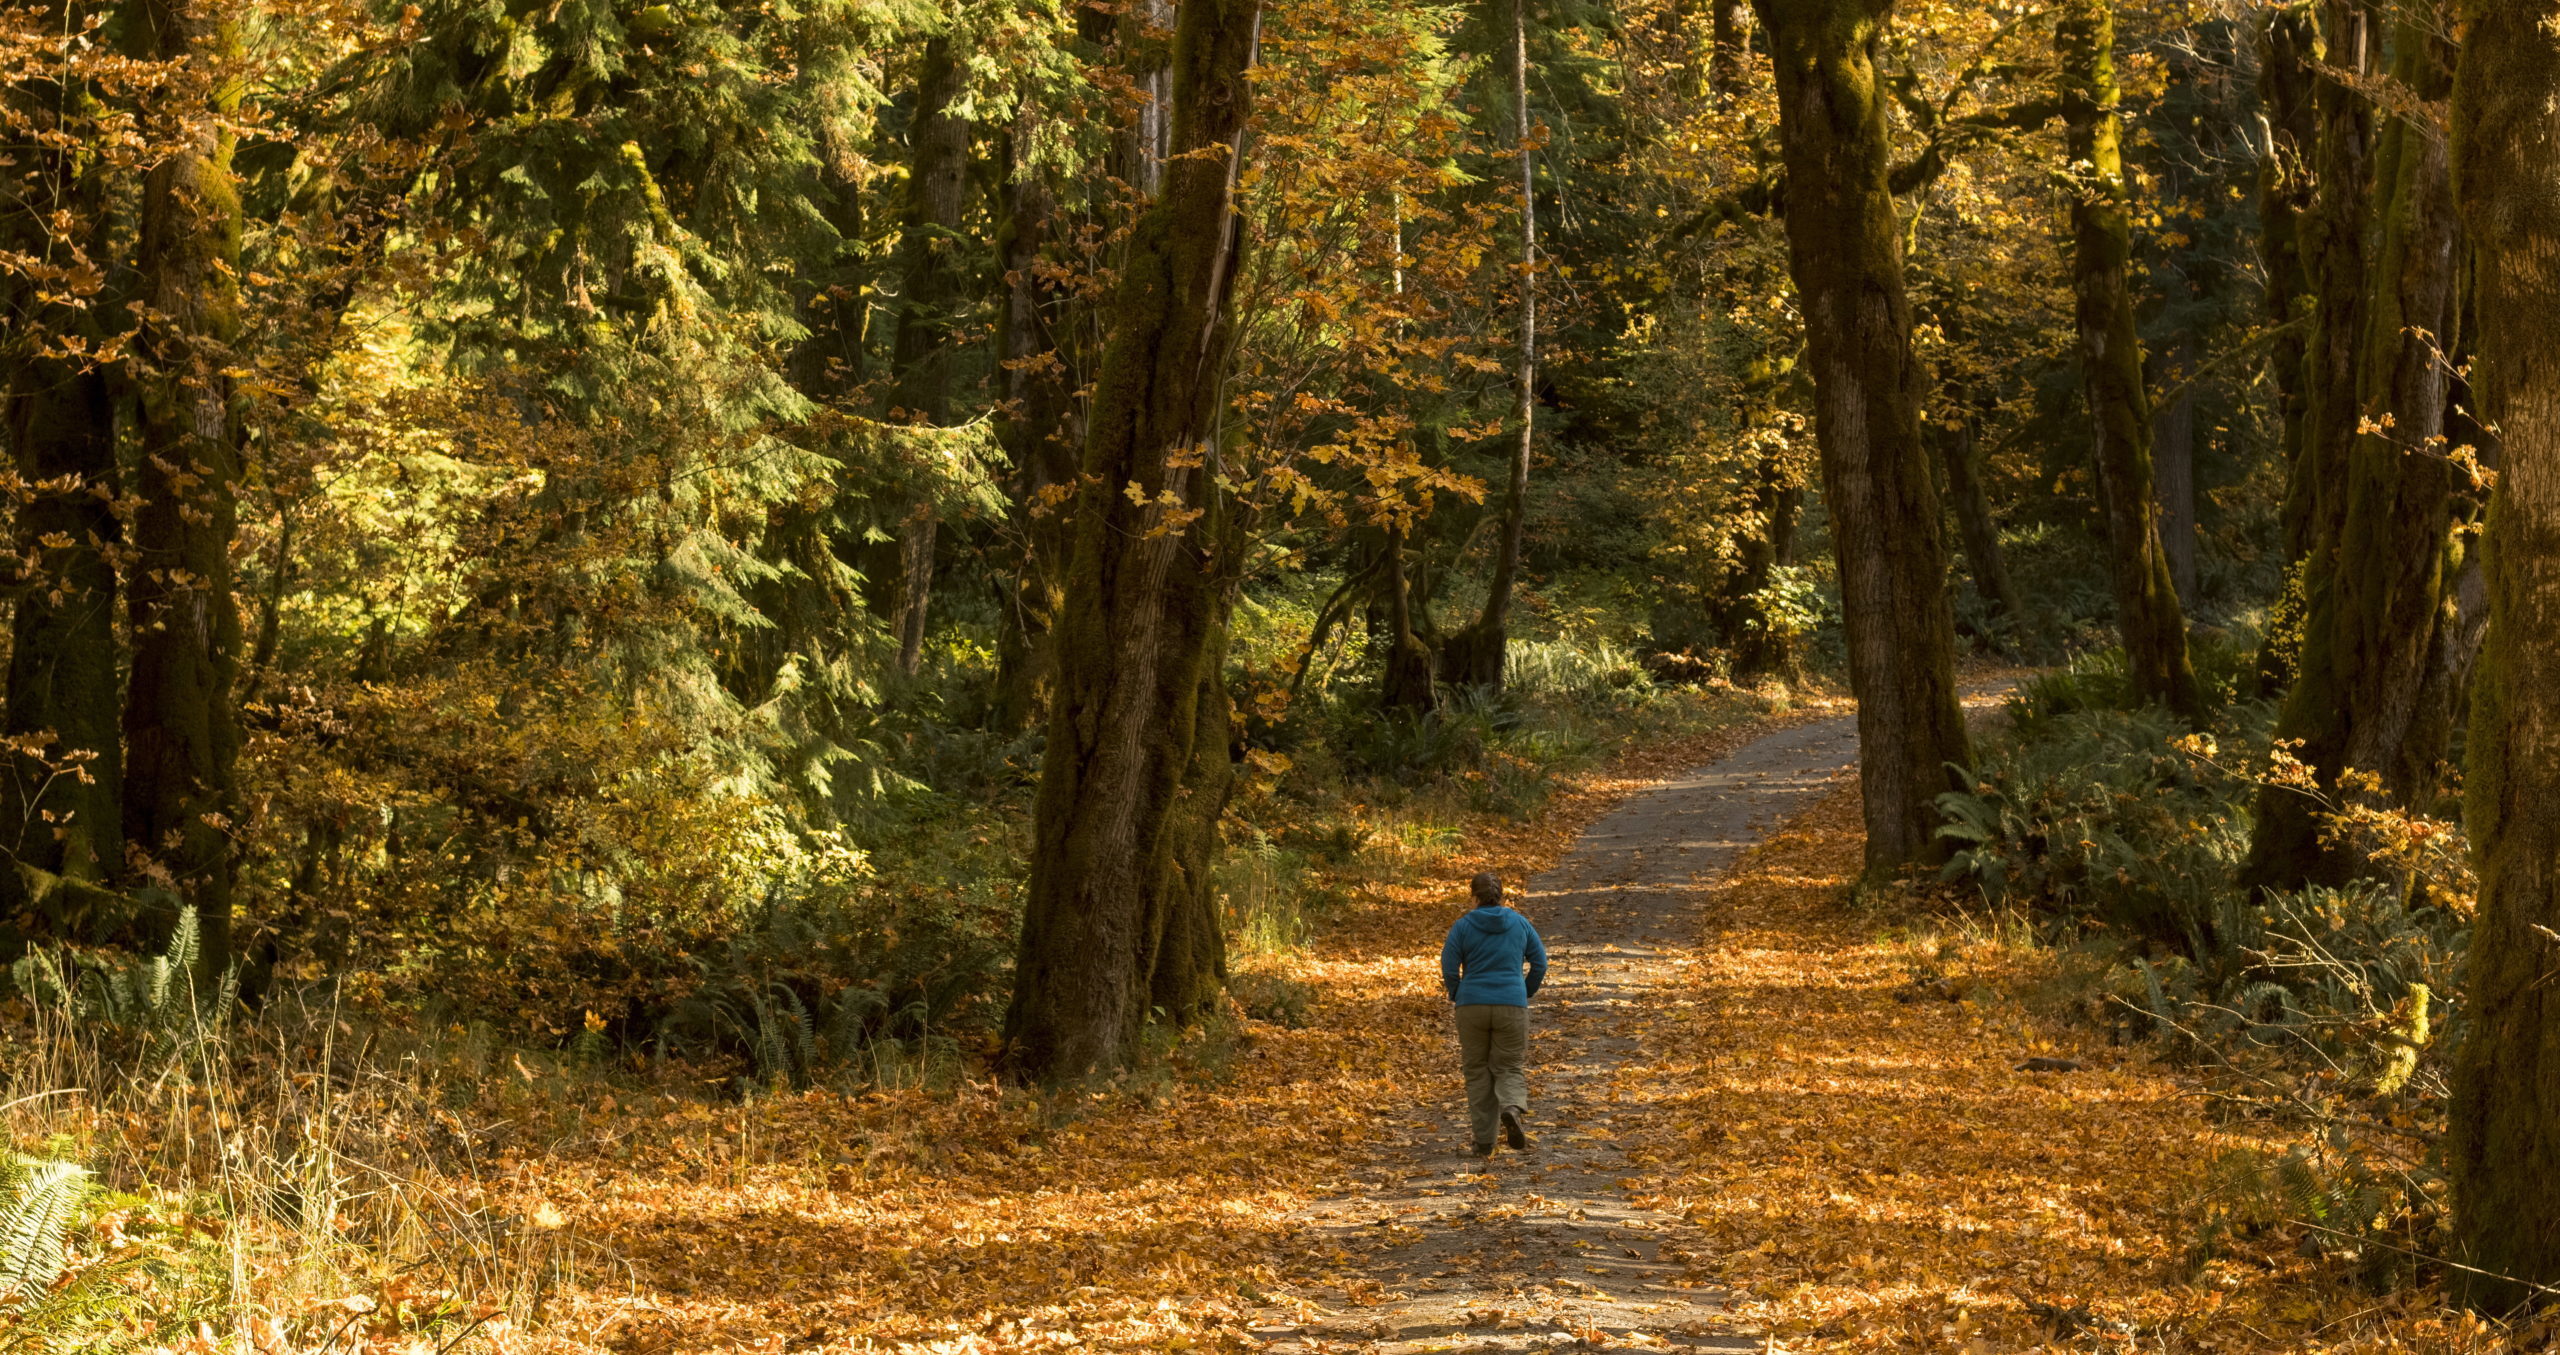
[[1481, 961]]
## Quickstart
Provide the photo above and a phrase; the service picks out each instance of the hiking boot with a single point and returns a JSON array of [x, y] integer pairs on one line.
[[1512, 1129]]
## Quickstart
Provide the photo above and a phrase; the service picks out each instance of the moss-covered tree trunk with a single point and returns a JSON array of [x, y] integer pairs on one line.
[[181, 722], [1886, 534], [2504, 1145], [1473, 656], [1038, 430], [929, 269], [2286, 188], [2372, 655], [1143, 621], [2148, 616], [1186, 957]]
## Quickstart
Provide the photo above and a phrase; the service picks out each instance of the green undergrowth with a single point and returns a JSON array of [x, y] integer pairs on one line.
[[2112, 835]]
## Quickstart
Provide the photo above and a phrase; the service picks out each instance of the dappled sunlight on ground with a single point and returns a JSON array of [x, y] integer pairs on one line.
[[1876, 1172]]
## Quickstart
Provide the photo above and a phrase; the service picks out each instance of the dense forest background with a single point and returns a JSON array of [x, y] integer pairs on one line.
[[838, 544]]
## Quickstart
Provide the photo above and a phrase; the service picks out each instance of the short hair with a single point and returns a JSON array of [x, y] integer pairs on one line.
[[1487, 888]]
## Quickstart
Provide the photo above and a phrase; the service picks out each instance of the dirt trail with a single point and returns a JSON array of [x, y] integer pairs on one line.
[[1440, 1251]]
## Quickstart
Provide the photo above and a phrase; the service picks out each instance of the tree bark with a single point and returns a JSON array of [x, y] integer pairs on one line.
[[2147, 612], [2332, 243], [2287, 194], [1474, 656], [937, 193], [181, 723], [1186, 959], [1846, 251], [1729, 59], [1961, 454], [2287, 188], [1766, 541], [1037, 431], [2371, 649], [1405, 683], [61, 791], [1144, 614], [60, 808], [2504, 1144], [2173, 473]]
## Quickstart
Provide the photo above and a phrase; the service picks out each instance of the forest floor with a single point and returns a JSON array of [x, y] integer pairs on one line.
[[1768, 1119]]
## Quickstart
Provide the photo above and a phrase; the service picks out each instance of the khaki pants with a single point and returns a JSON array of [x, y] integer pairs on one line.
[[1491, 1041]]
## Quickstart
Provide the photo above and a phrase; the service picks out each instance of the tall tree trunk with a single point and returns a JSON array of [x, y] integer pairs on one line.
[[2504, 1145], [1729, 59], [1037, 430], [1474, 656], [2287, 97], [2147, 611], [1846, 251], [1961, 453], [2173, 472], [181, 723], [2332, 240], [61, 775], [2370, 647], [937, 193], [1144, 615]]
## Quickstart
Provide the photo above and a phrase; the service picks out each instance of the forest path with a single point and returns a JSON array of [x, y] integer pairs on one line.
[[1432, 1249], [1439, 1250]]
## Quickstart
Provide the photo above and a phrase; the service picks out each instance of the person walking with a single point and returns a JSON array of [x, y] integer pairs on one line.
[[1492, 964]]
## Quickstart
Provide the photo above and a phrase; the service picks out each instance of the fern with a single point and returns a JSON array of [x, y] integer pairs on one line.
[[42, 1198], [42, 1308]]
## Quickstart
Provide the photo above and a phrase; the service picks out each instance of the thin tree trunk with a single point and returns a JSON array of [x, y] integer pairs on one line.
[[2504, 1144], [1846, 250], [2173, 473], [1728, 62], [1406, 682], [1767, 537], [1037, 433], [2370, 647], [2147, 612], [1144, 615], [2287, 95], [937, 193], [181, 724], [1475, 655], [1961, 452]]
